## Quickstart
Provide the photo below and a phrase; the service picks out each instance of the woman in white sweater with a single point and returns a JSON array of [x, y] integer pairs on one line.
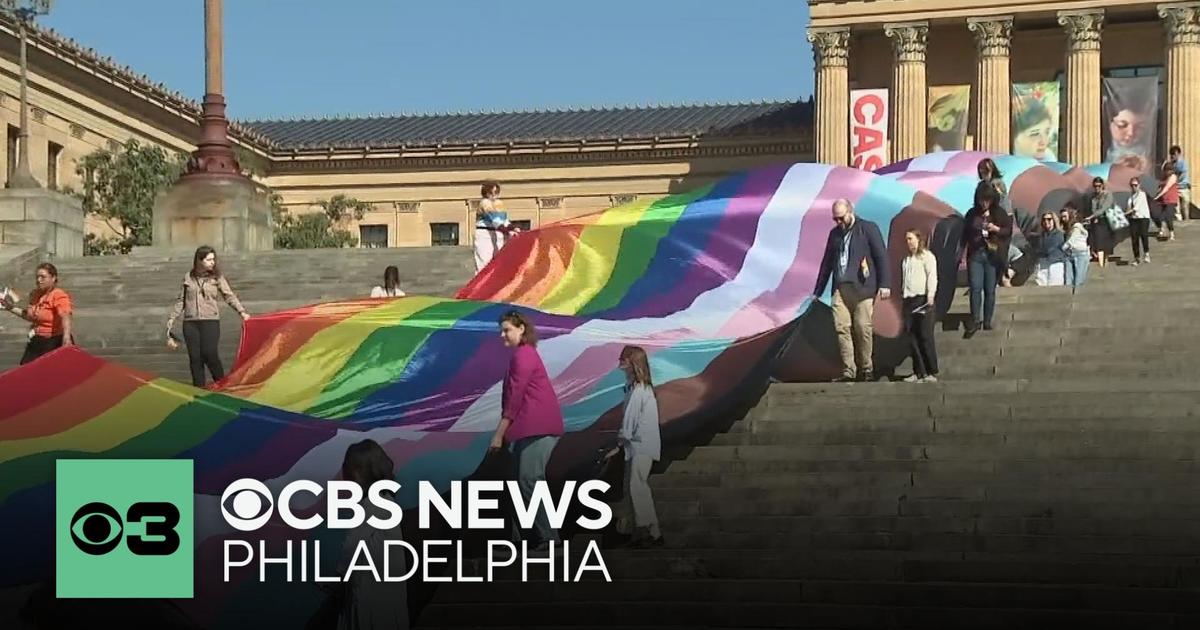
[[1139, 222], [639, 438], [920, 290]]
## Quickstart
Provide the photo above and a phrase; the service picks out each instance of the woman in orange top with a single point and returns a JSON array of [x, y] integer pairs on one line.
[[50, 312]]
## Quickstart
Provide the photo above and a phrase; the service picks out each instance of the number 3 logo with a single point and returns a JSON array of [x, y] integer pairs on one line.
[[96, 529]]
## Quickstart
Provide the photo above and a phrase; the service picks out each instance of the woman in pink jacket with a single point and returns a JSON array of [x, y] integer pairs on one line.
[[532, 420]]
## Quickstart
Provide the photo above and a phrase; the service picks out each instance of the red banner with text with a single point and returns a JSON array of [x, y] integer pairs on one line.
[[868, 128]]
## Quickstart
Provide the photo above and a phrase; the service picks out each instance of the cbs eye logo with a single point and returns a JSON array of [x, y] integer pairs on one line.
[[97, 527], [246, 504]]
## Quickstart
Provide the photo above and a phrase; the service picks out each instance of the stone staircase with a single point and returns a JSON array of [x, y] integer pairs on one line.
[[122, 302], [1049, 480]]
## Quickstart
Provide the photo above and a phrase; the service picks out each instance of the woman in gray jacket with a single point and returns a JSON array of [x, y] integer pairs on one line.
[[197, 302]]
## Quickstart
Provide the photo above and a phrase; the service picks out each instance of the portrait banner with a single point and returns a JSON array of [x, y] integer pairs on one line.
[[947, 119], [1130, 110], [868, 128], [1035, 108]]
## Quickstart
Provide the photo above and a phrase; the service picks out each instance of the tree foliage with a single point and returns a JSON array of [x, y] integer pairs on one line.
[[120, 186], [317, 229]]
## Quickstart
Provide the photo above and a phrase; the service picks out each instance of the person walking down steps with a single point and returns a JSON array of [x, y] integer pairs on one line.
[[856, 260], [640, 440], [920, 282]]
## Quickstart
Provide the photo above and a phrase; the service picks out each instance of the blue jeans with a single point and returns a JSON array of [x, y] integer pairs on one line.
[[981, 278], [533, 453], [1077, 268]]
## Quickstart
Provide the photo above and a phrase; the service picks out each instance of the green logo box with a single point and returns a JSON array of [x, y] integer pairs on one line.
[[124, 528]]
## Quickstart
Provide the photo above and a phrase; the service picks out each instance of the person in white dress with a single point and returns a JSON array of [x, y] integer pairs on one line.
[[492, 227]]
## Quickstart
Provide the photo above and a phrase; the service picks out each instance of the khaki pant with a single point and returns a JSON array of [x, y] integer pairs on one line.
[[1185, 204], [636, 509], [852, 313]]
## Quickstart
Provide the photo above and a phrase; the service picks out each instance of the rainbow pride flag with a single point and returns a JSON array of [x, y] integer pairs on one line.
[[717, 284]]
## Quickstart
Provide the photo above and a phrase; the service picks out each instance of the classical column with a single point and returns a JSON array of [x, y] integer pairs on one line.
[[831, 51], [1182, 24], [993, 91], [1081, 124], [909, 92]]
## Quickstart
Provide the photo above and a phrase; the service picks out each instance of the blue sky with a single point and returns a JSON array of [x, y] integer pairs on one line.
[[287, 58]]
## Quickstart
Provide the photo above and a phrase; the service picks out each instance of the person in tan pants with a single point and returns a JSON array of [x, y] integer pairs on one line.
[[856, 260]]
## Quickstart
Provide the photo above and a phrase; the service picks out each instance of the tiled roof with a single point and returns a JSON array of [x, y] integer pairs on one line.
[[626, 123]]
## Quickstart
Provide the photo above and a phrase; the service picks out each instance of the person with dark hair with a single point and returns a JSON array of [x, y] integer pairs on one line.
[[531, 420], [391, 284], [920, 285], [1139, 222], [1032, 129], [1079, 255], [856, 259], [202, 287], [639, 438], [987, 229], [1130, 116], [1168, 198], [49, 313], [492, 227], [368, 604], [990, 175], [1101, 232], [1185, 183]]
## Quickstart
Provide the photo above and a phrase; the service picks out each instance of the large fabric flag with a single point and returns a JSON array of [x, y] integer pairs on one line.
[[717, 284]]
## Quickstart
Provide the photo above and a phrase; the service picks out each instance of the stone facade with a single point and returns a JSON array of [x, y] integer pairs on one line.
[[992, 44]]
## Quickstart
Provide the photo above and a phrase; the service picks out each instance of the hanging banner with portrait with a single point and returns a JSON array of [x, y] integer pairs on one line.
[[868, 128], [1130, 117], [1035, 120], [947, 118]]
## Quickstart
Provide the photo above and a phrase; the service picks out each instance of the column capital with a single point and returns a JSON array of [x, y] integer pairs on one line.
[[909, 40], [1182, 20], [1083, 28], [993, 35], [831, 46]]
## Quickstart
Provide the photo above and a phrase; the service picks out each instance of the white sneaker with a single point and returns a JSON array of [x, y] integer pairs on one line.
[[929, 379], [1133, 263], [1146, 259], [912, 378]]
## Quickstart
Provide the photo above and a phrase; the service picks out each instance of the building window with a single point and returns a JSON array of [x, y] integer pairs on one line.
[[13, 142], [373, 235], [524, 225], [53, 155], [444, 233]]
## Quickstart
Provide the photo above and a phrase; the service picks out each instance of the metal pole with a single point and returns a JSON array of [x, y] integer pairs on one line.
[[22, 176]]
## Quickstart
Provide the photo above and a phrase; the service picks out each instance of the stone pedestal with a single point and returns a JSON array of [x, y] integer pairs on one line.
[[42, 218], [227, 213], [831, 50], [993, 38], [1081, 124], [910, 94]]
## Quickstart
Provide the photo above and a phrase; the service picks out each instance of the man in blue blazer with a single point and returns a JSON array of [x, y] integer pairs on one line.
[[856, 259]]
